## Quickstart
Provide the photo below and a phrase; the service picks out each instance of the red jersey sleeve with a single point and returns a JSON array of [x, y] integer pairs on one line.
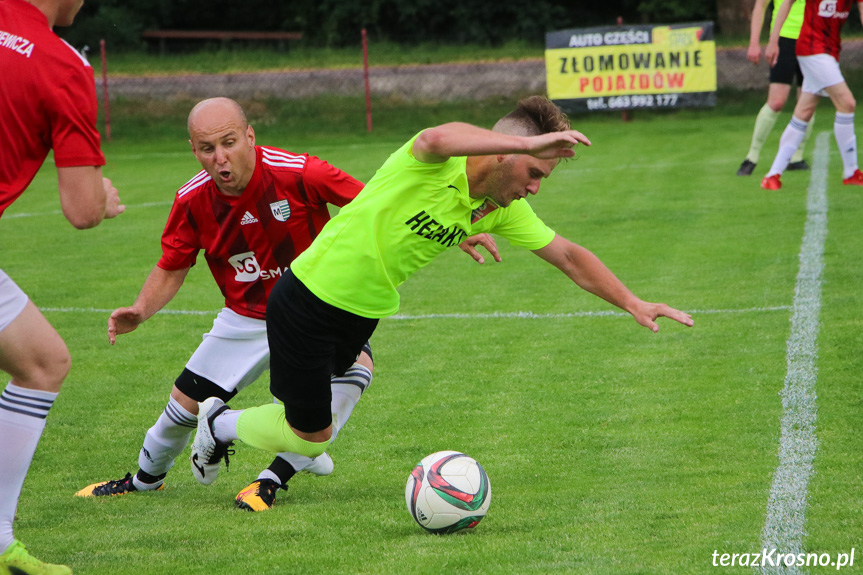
[[327, 184], [74, 136], [180, 245]]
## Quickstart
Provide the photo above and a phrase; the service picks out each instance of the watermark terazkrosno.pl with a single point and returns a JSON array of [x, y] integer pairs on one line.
[[773, 558]]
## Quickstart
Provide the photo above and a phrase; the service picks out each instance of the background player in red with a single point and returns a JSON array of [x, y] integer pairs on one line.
[[47, 100], [818, 50], [252, 210], [783, 75]]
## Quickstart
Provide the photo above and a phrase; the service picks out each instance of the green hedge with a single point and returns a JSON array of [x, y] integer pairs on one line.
[[337, 22]]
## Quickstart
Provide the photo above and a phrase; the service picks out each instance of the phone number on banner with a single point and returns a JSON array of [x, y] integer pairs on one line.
[[626, 102]]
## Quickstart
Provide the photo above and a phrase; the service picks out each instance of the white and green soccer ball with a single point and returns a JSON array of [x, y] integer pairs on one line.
[[448, 491]]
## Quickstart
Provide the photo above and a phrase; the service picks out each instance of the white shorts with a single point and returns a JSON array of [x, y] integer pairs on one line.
[[234, 353], [12, 300], [819, 72]]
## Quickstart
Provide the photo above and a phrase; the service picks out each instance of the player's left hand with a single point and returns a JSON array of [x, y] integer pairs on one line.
[[646, 314], [484, 240], [555, 144]]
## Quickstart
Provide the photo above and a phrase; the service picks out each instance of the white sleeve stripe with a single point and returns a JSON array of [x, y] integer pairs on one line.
[[201, 178], [271, 154], [284, 164]]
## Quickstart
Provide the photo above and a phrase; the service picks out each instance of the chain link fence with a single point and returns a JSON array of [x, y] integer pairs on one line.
[[428, 83]]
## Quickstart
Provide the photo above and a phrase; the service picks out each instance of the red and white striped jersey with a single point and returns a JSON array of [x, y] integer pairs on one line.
[[822, 26], [47, 100], [250, 240]]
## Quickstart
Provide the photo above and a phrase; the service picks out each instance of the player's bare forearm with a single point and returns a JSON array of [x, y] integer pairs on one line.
[[82, 195], [457, 139], [589, 273], [753, 53], [160, 288], [781, 16]]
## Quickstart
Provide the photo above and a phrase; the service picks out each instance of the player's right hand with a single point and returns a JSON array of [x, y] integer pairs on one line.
[[123, 320], [113, 207], [771, 53], [485, 240], [753, 53]]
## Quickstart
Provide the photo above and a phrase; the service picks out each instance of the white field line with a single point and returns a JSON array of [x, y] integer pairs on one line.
[[495, 315], [784, 526]]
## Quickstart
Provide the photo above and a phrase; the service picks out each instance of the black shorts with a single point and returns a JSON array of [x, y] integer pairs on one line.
[[310, 341], [787, 69]]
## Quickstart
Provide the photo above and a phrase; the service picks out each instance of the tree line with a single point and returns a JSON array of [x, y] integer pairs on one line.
[[338, 22]]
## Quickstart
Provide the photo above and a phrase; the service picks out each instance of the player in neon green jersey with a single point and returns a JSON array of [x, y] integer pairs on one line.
[[446, 183], [782, 77]]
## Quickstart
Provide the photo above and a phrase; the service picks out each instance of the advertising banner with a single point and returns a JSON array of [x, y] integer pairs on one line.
[[632, 67]]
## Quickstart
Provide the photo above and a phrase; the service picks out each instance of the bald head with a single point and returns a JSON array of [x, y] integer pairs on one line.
[[223, 142], [216, 109]]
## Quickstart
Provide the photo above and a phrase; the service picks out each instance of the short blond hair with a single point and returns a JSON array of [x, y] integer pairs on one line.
[[533, 116]]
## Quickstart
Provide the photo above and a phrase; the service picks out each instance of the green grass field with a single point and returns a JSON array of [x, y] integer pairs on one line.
[[610, 449]]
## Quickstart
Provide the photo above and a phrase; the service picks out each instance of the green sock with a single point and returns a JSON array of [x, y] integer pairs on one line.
[[763, 125], [266, 428], [798, 155]]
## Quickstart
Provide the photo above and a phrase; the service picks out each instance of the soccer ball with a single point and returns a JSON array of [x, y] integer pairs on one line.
[[447, 492]]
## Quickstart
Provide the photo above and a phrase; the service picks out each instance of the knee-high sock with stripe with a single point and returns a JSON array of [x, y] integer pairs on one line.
[[163, 443], [798, 154], [843, 130], [22, 418], [791, 139]]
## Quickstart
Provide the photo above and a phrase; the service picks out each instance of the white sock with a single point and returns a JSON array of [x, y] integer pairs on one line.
[[22, 419], [225, 426], [791, 139], [843, 129], [347, 391], [164, 442]]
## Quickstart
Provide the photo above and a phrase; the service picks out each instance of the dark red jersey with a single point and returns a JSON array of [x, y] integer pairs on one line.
[[822, 25], [47, 100], [250, 240]]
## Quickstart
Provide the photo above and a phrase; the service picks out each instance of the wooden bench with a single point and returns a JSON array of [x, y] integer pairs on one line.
[[224, 36]]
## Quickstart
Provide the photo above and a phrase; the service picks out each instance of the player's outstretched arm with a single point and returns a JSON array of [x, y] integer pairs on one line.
[[753, 53], [86, 197], [160, 288], [485, 240], [456, 139], [586, 270]]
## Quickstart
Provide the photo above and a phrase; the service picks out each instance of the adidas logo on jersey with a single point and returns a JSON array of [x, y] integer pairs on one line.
[[248, 218]]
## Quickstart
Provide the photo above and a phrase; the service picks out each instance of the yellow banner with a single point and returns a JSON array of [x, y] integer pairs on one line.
[[676, 61]]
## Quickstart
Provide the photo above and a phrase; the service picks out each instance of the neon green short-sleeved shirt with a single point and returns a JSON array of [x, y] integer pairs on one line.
[[408, 214], [794, 22]]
